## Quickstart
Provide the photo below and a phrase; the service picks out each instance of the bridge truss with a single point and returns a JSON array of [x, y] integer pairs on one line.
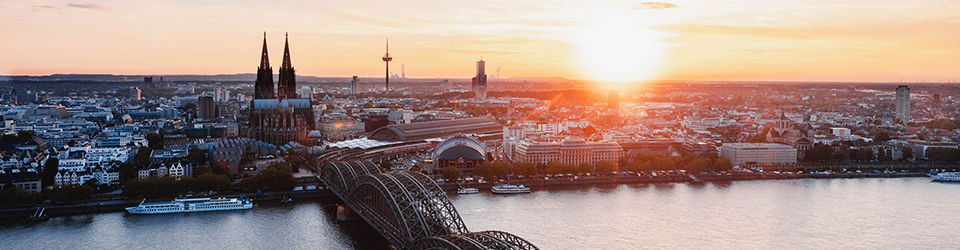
[[409, 209]]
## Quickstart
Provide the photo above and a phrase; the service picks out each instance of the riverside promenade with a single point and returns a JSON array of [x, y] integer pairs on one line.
[[624, 179]]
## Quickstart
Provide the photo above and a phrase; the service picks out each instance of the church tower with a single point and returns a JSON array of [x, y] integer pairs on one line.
[[287, 88], [263, 87]]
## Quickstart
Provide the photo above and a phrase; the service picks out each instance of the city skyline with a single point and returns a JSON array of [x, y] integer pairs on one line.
[[612, 41]]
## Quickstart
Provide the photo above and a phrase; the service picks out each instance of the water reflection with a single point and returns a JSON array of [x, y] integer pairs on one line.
[[722, 185]]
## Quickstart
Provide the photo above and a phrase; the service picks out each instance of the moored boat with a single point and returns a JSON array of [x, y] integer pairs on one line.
[[467, 191], [946, 177], [192, 205], [510, 189]]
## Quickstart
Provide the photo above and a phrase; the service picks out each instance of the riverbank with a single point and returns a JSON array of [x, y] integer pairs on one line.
[[620, 179], [118, 205]]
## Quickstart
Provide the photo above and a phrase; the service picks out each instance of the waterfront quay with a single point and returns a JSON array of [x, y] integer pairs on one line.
[[117, 204], [625, 179]]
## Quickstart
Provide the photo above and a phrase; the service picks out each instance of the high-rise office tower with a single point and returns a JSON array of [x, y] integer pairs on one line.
[[613, 100], [936, 105], [480, 82], [205, 108], [135, 93], [353, 85], [903, 104]]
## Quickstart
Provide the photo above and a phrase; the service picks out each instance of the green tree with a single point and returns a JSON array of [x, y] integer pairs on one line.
[[606, 167], [142, 158], [663, 163], [947, 155], [25, 135], [274, 178], [819, 153], [860, 133], [554, 167], [367, 105], [50, 169], [155, 141], [639, 166], [202, 169], [722, 164], [198, 155], [585, 168], [906, 153], [526, 168], [450, 173], [13, 195], [948, 125], [880, 135], [212, 182], [698, 165]]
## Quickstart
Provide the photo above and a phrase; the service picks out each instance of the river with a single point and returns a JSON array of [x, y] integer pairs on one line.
[[900, 213]]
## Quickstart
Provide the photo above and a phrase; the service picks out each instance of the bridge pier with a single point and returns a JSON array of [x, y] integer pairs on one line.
[[346, 214]]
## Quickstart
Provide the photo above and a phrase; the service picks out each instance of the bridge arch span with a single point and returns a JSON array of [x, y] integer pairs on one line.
[[407, 202], [475, 240], [339, 176]]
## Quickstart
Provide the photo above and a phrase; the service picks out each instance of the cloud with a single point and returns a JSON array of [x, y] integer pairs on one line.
[[89, 6], [39, 8], [655, 6]]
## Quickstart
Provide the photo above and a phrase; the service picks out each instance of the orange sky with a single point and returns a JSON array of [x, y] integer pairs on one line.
[[614, 41]]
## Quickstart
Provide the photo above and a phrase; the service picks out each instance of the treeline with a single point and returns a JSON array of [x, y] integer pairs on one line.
[[639, 163], [277, 177], [945, 155], [22, 135], [13, 195], [168, 186], [647, 163], [844, 153], [948, 124]]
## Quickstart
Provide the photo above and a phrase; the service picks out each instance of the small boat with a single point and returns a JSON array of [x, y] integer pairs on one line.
[[946, 177], [192, 205], [38, 215], [467, 191], [510, 189]]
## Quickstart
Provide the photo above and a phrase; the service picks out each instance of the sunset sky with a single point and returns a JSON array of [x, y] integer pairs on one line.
[[614, 41]]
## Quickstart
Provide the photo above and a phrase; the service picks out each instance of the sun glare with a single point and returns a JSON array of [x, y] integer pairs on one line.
[[620, 51]]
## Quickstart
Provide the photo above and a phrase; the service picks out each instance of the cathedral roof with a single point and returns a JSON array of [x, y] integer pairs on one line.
[[277, 103]]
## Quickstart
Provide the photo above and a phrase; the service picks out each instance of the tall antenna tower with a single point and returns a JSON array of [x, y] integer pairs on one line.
[[498, 71], [403, 73], [387, 59]]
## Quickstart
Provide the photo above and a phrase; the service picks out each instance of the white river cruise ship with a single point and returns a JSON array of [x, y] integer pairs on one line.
[[192, 205]]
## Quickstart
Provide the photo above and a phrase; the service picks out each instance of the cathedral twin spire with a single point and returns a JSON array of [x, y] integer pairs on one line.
[[287, 86]]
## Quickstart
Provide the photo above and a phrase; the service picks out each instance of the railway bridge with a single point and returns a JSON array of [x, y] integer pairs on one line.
[[408, 209]]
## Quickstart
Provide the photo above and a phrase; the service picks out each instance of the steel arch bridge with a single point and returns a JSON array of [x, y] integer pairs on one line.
[[409, 209]]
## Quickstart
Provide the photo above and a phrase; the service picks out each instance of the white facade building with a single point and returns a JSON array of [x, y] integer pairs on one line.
[[761, 153]]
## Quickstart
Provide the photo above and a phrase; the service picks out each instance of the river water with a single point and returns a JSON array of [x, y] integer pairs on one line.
[[903, 213]]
